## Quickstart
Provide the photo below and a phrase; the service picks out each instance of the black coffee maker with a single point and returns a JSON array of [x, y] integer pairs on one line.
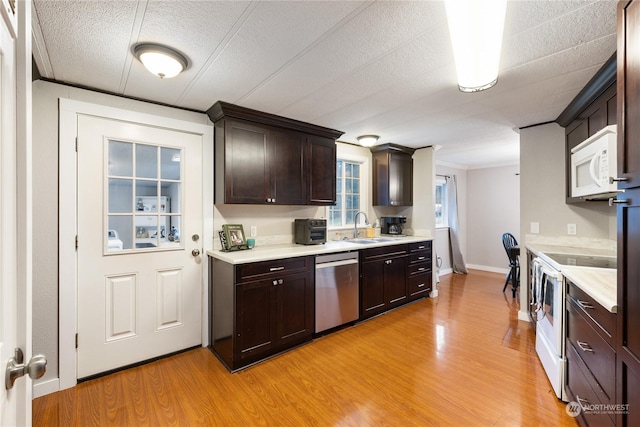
[[392, 224]]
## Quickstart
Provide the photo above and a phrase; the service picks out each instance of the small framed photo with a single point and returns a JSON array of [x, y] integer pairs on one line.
[[234, 234]]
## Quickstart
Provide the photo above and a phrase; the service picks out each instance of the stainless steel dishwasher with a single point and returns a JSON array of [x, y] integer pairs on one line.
[[337, 290]]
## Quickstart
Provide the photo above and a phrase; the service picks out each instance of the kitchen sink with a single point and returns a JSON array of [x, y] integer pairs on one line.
[[370, 240]]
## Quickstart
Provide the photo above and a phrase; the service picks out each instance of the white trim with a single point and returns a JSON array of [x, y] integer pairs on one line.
[[488, 268], [67, 279], [46, 387]]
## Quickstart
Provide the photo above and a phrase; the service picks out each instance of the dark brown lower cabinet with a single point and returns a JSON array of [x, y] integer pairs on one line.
[[393, 275], [260, 309], [591, 358], [419, 270]]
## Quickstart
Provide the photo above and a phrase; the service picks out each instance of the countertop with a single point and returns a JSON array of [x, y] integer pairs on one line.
[[599, 283], [271, 252]]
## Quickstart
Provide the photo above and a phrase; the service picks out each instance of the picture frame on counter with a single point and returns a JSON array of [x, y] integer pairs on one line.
[[232, 237]]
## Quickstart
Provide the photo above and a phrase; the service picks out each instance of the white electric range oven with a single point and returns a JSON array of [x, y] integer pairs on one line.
[[549, 292]]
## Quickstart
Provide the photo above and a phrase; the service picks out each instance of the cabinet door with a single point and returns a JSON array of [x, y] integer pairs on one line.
[[255, 319], [295, 304], [321, 170], [400, 179], [286, 163], [372, 288], [395, 280], [246, 169]]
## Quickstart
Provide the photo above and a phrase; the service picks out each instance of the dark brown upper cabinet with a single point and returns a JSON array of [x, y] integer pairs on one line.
[[594, 108], [392, 175], [262, 158]]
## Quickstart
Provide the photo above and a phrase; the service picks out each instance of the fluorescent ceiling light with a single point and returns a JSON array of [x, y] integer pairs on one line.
[[368, 140], [160, 60], [476, 29]]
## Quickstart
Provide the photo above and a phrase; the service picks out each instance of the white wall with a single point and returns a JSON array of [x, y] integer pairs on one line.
[[45, 201], [493, 203]]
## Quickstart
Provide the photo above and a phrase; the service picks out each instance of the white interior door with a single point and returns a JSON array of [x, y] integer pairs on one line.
[[15, 219], [139, 223]]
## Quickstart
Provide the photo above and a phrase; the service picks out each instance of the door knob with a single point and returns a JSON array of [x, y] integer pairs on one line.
[[195, 252], [36, 368]]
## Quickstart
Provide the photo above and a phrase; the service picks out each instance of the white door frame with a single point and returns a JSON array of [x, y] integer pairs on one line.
[[67, 202]]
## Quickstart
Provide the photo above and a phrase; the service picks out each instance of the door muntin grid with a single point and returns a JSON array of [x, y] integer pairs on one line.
[[143, 197]]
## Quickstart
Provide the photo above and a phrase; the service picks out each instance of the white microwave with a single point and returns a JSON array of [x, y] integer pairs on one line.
[[593, 162]]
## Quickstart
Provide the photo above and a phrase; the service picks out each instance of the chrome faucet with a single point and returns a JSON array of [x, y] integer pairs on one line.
[[355, 223]]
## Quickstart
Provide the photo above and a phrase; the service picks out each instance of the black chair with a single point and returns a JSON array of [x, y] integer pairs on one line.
[[513, 252]]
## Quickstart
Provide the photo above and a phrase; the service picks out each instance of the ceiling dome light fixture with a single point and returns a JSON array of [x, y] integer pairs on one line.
[[476, 29], [368, 140], [160, 60]]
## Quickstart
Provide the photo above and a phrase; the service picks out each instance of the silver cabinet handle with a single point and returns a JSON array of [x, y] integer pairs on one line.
[[585, 346], [421, 285], [276, 269], [420, 258], [277, 282], [585, 304], [421, 269], [614, 201], [617, 179]]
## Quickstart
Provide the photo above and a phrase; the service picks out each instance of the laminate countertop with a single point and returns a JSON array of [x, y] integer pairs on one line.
[[599, 283], [271, 252]]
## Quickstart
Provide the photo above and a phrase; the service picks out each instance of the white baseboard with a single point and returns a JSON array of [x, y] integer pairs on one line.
[[445, 271], [46, 387], [523, 315], [487, 268]]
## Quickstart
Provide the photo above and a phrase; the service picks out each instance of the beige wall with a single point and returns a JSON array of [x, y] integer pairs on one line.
[[543, 195], [45, 201], [493, 201]]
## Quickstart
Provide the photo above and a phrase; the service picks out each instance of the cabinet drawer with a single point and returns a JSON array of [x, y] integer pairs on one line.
[[604, 318], [422, 256], [383, 252], [420, 246], [419, 284], [276, 267], [579, 381], [597, 355], [419, 268]]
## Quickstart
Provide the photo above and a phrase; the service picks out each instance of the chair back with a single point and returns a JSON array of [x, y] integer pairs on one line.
[[509, 241]]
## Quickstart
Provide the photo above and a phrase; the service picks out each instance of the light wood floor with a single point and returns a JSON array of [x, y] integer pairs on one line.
[[462, 359]]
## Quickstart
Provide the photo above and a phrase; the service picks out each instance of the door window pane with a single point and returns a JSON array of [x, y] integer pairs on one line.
[[120, 233], [120, 195], [120, 158], [146, 161], [171, 160]]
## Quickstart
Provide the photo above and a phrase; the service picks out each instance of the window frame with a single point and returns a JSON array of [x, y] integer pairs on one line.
[[441, 181], [343, 153]]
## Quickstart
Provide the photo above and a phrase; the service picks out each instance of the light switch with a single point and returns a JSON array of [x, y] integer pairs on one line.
[[571, 229], [535, 228], [254, 231]]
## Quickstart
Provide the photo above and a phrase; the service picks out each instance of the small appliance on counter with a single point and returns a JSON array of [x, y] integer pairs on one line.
[[392, 224], [310, 231]]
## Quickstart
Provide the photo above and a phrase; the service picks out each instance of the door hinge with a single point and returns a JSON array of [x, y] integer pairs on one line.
[[76, 340], [76, 144], [76, 241]]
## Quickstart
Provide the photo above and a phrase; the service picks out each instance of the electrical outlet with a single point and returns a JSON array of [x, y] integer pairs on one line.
[[535, 228], [571, 229], [254, 231]]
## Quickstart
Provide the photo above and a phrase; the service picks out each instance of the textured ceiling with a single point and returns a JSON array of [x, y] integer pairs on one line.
[[381, 67]]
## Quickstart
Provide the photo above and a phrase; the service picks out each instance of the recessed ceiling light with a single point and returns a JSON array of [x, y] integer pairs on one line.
[[161, 60]]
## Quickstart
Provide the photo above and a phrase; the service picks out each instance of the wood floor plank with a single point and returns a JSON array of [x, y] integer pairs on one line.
[[462, 358]]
